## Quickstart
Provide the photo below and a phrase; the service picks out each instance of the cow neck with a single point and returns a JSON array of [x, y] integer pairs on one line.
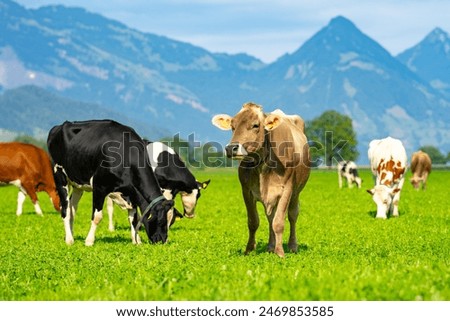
[[269, 158], [147, 210], [152, 204]]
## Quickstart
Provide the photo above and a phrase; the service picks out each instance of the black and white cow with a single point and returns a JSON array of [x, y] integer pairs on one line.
[[107, 158], [173, 177], [349, 171]]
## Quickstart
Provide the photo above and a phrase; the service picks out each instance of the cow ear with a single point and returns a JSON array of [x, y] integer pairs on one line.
[[272, 121], [204, 184], [222, 121], [371, 191]]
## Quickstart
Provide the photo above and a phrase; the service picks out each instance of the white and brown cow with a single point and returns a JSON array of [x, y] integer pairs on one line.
[[28, 167], [421, 168], [349, 171], [274, 168], [388, 163]]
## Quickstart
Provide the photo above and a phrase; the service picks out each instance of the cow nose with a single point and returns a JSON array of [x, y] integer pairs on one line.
[[232, 149]]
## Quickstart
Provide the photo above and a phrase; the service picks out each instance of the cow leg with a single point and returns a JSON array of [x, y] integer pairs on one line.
[[394, 207], [73, 207], [62, 187], [20, 199], [279, 221], [424, 180], [98, 198], [293, 211], [133, 219], [32, 193], [396, 199], [74, 200], [349, 181], [67, 215], [30, 190], [271, 245], [339, 179], [110, 210], [252, 220]]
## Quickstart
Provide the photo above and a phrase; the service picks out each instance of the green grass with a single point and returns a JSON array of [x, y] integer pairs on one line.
[[345, 254]]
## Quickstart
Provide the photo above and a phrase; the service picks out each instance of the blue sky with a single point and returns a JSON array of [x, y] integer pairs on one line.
[[269, 29]]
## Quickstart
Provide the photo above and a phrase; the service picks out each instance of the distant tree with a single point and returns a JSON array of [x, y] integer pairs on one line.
[[31, 140], [196, 155], [331, 136], [448, 157], [435, 154]]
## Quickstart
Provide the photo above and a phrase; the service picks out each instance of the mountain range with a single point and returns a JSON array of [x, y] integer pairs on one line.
[[94, 67]]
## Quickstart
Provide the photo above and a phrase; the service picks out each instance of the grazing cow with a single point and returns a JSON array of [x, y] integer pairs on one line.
[[421, 168], [107, 158], [349, 171], [273, 170], [28, 167], [173, 177], [388, 163]]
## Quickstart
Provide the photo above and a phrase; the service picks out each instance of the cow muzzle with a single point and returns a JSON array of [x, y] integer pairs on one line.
[[235, 150]]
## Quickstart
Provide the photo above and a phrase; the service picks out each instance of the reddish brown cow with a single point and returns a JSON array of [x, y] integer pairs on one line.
[[29, 168], [421, 168]]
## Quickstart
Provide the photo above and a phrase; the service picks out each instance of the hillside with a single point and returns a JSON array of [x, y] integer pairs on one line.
[[172, 87], [34, 111], [430, 59]]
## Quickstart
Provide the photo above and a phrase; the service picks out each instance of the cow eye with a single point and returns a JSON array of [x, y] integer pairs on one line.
[[255, 126]]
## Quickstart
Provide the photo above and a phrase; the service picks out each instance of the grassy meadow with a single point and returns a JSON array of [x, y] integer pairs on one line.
[[344, 253]]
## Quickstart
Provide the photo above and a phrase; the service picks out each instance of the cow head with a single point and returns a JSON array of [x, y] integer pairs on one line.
[[382, 196], [157, 221], [55, 199], [415, 181], [50, 189], [190, 199], [249, 126]]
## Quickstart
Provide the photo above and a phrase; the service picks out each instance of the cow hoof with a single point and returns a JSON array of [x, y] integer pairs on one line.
[[381, 217], [249, 248], [280, 254], [293, 247], [69, 241], [89, 242]]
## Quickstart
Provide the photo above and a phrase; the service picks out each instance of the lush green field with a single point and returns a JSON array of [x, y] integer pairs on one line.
[[345, 254]]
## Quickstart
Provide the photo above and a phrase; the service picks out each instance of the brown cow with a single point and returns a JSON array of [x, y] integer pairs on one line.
[[273, 170], [421, 168], [29, 168]]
